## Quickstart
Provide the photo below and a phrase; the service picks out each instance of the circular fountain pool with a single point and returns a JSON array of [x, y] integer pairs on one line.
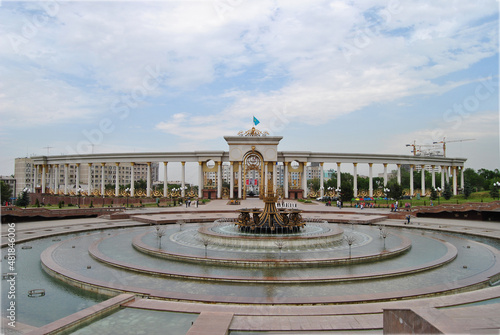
[[182, 266]]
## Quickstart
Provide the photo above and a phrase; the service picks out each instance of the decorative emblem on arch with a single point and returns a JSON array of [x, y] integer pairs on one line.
[[253, 162], [253, 132]]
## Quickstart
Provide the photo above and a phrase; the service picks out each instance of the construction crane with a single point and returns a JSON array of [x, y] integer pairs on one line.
[[444, 141], [417, 147]]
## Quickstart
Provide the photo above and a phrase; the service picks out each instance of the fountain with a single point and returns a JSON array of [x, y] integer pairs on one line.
[[270, 220], [265, 259]]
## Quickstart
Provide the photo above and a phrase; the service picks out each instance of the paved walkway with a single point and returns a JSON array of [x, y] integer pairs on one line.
[[294, 319]]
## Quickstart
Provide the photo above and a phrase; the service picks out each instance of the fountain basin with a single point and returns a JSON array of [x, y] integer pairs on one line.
[[315, 234]]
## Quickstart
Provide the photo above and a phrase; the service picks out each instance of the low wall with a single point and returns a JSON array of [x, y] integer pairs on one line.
[[49, 199]]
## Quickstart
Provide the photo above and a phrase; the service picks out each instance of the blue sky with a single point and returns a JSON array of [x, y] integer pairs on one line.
[[332, 76]]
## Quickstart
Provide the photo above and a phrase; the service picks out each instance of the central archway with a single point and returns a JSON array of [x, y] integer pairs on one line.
[[253, 170]]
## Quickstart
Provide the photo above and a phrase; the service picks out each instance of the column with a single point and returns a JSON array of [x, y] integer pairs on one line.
[[183, 180], [433, 176], [454, 171], [165, 182], [304, 180], [66, 166], [285, 180], [240, 181], [35, 177], [103, 179], [422, 181], [148, 187], [370, 179], [44, 169], [385, 174], [275, 184], [355, 181], [219, 180], [266, 172], [132, 179], [399, 173], [77, 181], [231, 180], [56, 179], [200, 179], [411, 179], [339, 175], [117, 180], [442, 177], [462, 178], [49, 181], [89, 179], [321, 187]]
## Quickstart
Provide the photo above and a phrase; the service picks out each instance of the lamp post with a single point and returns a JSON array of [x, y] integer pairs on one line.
[[438, 192], [330, 190], [79, 194], [127, 194], [386, 191], [497, 186], [24, 197]]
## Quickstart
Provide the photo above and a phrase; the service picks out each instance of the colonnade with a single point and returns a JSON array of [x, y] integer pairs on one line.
[[50, 167], [446, 173]]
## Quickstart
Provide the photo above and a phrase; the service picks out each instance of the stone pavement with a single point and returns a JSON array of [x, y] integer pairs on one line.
[[289, 318]]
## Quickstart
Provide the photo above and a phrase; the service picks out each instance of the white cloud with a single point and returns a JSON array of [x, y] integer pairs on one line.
[[320, 59], [482, 128]]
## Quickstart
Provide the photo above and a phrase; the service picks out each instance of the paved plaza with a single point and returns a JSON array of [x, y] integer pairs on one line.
[[473, 308]]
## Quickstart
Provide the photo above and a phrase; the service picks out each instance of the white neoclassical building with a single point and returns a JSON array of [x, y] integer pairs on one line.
[[252, 161]]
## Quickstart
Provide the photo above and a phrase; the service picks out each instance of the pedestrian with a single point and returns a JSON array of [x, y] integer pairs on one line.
[[392, 207], [408, 219], [196, 203]]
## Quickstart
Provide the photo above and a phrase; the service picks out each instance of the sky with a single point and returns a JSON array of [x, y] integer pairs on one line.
[[329, 76]]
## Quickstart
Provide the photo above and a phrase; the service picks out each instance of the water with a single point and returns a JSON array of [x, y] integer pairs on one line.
[[477, 258], [131, 321], [62, 299]]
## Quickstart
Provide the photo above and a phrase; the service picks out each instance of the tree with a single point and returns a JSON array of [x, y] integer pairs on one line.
[[467, 190], [315, 184], [347, 192], [23, 200], [140, 184], [395, 190], [434, 194], [447, 192], [6, 192], [494, 192]]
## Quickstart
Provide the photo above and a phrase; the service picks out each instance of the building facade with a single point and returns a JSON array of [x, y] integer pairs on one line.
[[250, 164], [62, 178]]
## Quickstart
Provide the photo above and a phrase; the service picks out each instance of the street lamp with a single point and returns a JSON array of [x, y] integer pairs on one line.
[[79, 194], [497, 185], [386, 191], [330, 190], [438, 193], [127, 194]]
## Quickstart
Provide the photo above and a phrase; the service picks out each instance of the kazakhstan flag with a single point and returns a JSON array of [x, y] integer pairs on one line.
[[255, 121]]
